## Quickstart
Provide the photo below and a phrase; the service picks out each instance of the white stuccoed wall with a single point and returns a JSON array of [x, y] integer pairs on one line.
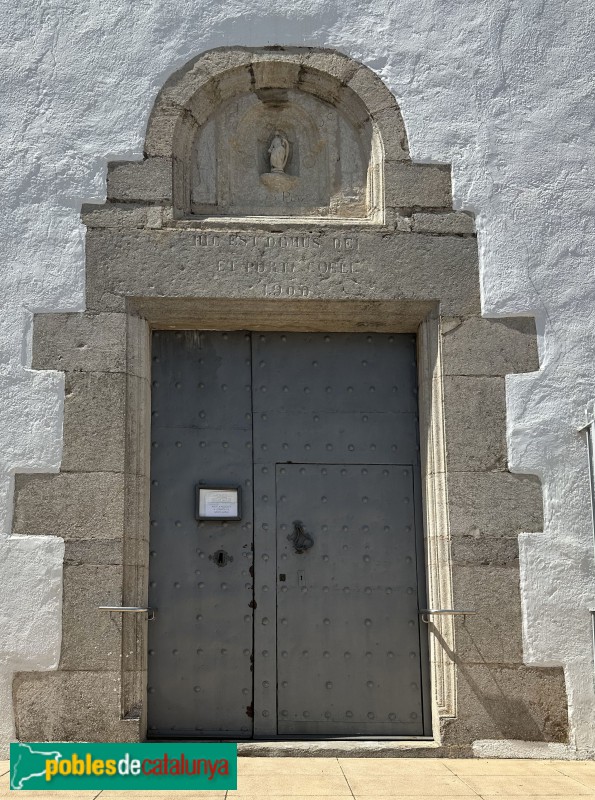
[[500, 89]]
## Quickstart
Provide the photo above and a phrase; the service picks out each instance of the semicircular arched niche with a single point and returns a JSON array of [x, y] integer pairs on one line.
[[219, 130]]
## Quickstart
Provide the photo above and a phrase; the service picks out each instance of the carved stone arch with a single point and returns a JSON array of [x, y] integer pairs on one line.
[[192, 92], [192, 95]]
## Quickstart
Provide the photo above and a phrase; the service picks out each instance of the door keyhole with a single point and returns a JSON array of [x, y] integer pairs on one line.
[[221, 558]]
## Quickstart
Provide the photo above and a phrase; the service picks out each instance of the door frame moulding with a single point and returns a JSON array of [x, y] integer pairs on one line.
[[422, 319], [411, 266]]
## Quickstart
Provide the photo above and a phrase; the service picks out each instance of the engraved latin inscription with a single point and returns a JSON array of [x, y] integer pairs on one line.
[[278, 241], [284, 265]]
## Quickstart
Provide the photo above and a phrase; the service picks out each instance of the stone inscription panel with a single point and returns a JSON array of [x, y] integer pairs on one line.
[[286, 262], [323, 264]]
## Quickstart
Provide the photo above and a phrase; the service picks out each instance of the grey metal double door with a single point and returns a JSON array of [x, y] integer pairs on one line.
[[301, 618]]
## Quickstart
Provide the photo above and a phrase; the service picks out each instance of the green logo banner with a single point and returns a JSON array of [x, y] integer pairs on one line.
[[60, 766]]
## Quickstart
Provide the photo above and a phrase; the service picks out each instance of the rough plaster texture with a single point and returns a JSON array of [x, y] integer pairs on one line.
[[501, 90]]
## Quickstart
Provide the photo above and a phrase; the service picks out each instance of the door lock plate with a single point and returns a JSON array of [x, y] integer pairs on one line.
[[221, 558]]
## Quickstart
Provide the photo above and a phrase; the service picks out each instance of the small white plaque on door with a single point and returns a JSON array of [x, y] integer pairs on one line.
[[218, 502]]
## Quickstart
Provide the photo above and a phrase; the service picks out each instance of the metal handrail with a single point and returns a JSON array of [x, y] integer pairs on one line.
[[130, 609], [425, 612]]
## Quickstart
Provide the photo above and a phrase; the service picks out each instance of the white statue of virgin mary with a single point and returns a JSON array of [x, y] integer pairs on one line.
[[278, 153]]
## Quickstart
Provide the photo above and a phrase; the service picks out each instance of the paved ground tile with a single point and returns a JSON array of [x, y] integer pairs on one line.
[[500, 766], [514, 786], [288, 766], [409, 784], [283, 784]]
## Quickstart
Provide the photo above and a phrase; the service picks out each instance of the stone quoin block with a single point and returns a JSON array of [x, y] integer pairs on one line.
[[475, 423], [417, 185], [75, 505], [71, 706], [91, 639], [79, 342], [478, 346], [94, 422]]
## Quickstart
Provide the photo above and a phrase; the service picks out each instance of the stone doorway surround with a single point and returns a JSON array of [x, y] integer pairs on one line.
[[385, 253]]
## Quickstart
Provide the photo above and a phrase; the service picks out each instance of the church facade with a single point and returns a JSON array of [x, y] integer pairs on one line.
[[302, 479]]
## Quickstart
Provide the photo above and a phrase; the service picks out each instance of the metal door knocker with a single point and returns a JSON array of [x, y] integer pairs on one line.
[[221, 558], [300, 539]]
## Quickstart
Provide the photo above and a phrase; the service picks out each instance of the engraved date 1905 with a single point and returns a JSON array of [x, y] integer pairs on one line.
[[278, 290]]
